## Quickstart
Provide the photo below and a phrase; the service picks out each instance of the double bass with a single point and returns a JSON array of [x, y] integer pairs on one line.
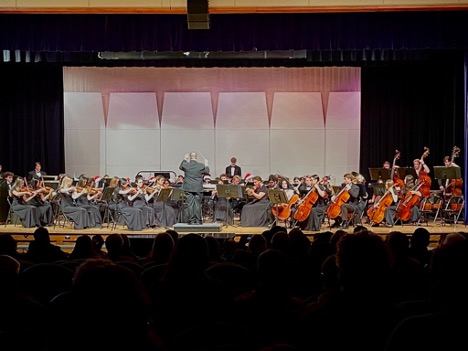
[[454, 187], [394, 175], [411, 199]]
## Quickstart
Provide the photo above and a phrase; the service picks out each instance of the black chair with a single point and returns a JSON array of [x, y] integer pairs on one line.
[[11, 217], [453, 210]]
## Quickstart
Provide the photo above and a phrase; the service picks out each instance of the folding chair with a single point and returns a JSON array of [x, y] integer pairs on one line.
[[11, 217], [452, 210]]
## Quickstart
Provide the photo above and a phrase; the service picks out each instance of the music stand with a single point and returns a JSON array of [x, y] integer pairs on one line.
[[277, 196], [229, 191], [163, 196], [379, 174], [105, 197], [404, 171], [178, 196], [442, 172]]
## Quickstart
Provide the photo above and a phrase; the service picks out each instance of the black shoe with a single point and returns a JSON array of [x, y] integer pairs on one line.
[[375, 225]]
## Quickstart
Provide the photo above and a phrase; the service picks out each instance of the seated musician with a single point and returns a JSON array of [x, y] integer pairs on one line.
[[254, 213], [407, 189], [446, 186], [320, 206], [389, 212], [165, 214], [350, 205]]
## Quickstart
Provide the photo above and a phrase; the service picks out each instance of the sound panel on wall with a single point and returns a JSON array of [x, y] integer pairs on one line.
[[197, 14]]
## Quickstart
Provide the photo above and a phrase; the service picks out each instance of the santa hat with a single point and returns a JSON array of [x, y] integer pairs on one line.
[[151, 179], [206, 177], [97, 179], [247, 176]]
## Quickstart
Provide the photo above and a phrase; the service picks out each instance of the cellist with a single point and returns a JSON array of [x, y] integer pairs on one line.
[[410, 188], [350, 205], [319, 208]]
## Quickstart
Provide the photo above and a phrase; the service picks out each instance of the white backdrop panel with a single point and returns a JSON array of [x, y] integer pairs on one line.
[[344, 110], [83, 111], [131, 151], [132, 111], [297, 110], [342, 154], [83, 152], [191, 110], [176, 143], [242, 111], [297, 152], [251, 147]]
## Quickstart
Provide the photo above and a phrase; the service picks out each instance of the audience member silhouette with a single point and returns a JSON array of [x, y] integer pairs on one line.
[[9, 246], [83, 248], [270, 310], [409, 280], [107, 310], [161, 250], [359, 315], [186, 297], [444, 328], [115, 249], [41, 250], [419, 246], [98, 243]]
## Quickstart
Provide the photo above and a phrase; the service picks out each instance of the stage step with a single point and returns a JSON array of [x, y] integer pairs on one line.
[[214, 227]]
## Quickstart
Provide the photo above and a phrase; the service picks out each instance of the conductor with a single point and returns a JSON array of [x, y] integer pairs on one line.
[[193, 185]]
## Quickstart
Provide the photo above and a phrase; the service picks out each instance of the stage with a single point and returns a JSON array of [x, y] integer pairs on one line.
[[66, 236]]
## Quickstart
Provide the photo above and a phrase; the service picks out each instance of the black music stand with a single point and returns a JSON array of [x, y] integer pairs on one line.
[[377, 174], [404, 171], [277, 196], [229, 191], [105, 198], [163, 196], [179, 196]]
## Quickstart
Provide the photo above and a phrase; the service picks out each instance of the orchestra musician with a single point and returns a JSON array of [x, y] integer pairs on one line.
[[410, 189], [41, 201], [350, 206], [256, 212], [448, 186], [79, 215], [139, 199], [36, 174], [233, 169], [320, 206], [132, 216], [21, 204], [165, 214], [390, 209], [86, 198]]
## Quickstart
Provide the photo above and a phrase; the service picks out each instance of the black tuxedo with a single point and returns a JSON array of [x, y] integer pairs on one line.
[[237, 171], [35, 175]]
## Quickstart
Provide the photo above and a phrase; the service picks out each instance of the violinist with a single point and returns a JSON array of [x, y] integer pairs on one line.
[[41, 201], [132, 216], [320, 206], [165, 214], [22, 206], [256, 212], [350, 205], [86, 198], [139, 199], [79, 215]]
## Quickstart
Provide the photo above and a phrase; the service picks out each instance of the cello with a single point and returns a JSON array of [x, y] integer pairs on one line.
[[376, 213], [283, 211], [305, 206], [455, 185], [341, 197]]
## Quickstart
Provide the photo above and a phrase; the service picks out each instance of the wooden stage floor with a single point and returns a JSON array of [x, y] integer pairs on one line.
[[66, 236]]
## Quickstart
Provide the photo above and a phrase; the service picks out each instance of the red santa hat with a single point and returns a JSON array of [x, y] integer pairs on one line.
[[97, 179], [247, 176], [151, 179]]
